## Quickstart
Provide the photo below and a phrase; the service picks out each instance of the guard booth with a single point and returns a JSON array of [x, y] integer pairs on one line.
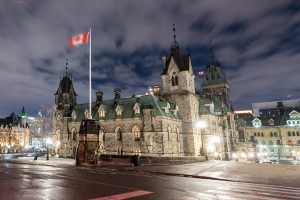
[[87, 149]]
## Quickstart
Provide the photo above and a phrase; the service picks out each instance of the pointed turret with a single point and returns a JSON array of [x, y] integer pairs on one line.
[[177, 72], [215, 82], [65, 96]]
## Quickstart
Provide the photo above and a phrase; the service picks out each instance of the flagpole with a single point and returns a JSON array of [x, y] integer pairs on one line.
[[90, 72]]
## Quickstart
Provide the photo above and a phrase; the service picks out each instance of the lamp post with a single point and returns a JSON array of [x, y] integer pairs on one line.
[[48, 142], [201, 125]]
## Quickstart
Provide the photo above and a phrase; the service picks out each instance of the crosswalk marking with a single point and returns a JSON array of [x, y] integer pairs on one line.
[[125, 195]]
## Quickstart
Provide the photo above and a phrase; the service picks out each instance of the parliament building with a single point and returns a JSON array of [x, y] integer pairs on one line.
[[174, 120]]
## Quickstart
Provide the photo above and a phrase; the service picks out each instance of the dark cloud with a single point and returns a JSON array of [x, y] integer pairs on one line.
[[256, 42]]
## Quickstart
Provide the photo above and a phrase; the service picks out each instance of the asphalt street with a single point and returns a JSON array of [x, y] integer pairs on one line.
[[23, 181]]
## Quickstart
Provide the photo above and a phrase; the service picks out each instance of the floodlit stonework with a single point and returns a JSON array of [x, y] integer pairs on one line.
[[161, 123]]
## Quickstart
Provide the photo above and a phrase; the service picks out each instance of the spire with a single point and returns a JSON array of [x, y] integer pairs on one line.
[[175, 43], [23, 113], [67, 66], [213, 59]]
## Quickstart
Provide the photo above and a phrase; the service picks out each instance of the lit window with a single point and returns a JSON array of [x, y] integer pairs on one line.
[[119, 110], [102, 113], [136, 108], [136, 133]]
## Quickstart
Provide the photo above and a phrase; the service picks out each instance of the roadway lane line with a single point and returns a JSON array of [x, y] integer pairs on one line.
[[96, 182], [126, 195]]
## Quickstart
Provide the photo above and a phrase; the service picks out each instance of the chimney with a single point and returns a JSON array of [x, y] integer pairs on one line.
[[117, 92], [99, 97], [156, 90]]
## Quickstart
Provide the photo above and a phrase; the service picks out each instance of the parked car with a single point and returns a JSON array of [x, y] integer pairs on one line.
[[274, 161]]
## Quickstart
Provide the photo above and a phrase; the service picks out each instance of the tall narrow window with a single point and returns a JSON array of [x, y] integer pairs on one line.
[[169, 132], [136, 133], [174, 79], [119, 134]]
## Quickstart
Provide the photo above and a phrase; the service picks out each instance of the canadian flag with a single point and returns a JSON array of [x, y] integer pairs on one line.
[[78, 39]]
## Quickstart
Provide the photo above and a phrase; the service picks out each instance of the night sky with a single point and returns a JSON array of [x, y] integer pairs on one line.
[[257, 43]]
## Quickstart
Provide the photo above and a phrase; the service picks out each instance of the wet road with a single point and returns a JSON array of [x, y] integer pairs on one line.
[[21, 181]]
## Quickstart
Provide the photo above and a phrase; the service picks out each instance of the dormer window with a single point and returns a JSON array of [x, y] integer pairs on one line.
[[119, 110], [86, 114], [74, 116], [102, 111], [137, 108], [271, 122], [167, 108], [256, 123]]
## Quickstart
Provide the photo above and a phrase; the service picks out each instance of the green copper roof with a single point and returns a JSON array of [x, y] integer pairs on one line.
[[126, 104], [218, 106], [214, 75], [23, 113]]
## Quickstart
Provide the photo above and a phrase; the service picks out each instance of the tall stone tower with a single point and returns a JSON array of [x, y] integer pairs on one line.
[[179, 88], [215, 83], [65, 96], [65, 101]]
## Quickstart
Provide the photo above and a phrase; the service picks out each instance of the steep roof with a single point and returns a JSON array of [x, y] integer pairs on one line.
[[65, 86], [182, 61], [13, 120], [214, 75], [127, 104]]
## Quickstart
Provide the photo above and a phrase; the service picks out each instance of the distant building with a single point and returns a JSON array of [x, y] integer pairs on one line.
[[14, 133], [274, 129], [273, 108]]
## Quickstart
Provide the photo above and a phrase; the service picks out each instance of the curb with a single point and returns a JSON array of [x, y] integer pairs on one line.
[[40, 164]]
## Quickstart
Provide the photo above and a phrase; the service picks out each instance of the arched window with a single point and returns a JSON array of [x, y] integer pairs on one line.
[[74, 134], [290, 142], [262, 134], [254, 133], [275, 134], [298, 133], [271, 134], [289, 133], [278, 142], [174, 79], [136, 133], [177, 132], [258, 134], [119, 134], [293, 133]]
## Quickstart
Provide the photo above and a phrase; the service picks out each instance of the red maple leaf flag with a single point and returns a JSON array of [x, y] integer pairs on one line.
[[78, 39]]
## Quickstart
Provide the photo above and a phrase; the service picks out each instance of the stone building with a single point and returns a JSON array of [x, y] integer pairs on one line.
[[162, 123], [14, 133]]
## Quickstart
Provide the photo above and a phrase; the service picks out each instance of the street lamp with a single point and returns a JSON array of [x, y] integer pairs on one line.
[[201, 125], [48, 142]]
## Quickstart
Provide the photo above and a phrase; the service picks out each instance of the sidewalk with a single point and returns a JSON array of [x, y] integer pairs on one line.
[[216, 170], [55, 162]]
